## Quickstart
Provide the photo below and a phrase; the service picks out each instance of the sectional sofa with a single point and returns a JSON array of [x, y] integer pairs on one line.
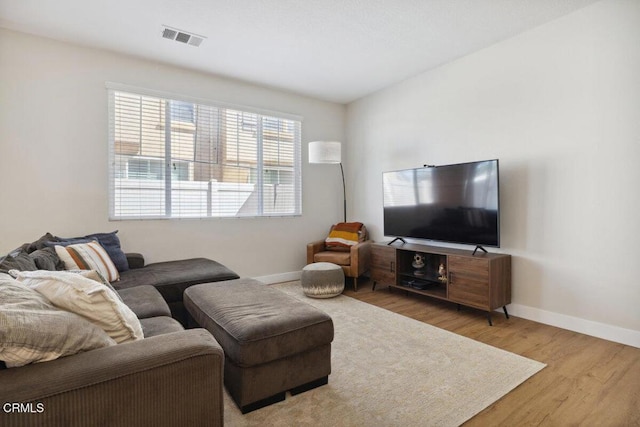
[[171, 377]]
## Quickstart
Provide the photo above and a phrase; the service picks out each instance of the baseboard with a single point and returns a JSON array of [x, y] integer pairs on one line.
[[279, 278], [576, 324]]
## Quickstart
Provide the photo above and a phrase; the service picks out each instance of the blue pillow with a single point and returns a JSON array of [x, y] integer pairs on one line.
[[66, 242], [109, 241]]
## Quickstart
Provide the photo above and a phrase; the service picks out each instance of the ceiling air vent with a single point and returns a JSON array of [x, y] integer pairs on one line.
[[182, 36]]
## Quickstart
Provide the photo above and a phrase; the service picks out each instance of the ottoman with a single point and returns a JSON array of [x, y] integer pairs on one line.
[[273, 342], [322, 280]]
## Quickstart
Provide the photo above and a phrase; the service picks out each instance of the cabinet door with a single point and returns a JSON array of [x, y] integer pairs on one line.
[[469, 281], [383, 264]]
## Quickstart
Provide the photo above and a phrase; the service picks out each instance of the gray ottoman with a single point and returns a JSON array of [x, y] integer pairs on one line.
[[322, 280], [272, 342]]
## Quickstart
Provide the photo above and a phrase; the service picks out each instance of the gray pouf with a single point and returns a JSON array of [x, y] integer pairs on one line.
[[322, 280]]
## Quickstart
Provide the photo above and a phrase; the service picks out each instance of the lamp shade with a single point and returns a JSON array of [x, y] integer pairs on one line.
[[325, 152]]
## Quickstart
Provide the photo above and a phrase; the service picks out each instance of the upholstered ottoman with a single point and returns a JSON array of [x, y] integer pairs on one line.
[[322, 280], [273, 342]]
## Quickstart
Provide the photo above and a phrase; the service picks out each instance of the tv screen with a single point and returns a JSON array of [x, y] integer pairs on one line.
[[452, 203]]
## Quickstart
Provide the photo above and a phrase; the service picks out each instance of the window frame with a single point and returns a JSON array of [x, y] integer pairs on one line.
[[291, 122]]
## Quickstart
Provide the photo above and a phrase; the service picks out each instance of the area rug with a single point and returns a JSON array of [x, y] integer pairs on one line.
[[391, 370]]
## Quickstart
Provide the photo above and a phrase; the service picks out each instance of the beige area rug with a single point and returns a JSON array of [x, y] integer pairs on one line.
[[390, 370]]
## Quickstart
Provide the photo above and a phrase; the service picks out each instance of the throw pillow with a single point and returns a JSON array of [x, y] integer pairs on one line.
[[89, 274], [88, 256], [87, 298], [110, 242], [343, 235], [36, 331], [94, 275]]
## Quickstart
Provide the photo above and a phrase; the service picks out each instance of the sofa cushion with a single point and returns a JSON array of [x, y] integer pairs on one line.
[[171, 278], [145, 301], [88, 298], [160, 325], [34, 330], [88, 256]]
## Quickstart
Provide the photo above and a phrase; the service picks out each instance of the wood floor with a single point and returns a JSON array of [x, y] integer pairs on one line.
[[587, 382]]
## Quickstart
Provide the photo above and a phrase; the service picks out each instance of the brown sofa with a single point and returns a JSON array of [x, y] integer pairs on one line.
[[171, 377], [273, 342], [171, 278]]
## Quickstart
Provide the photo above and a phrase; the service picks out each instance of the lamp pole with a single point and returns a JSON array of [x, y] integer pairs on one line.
[[344, 193]]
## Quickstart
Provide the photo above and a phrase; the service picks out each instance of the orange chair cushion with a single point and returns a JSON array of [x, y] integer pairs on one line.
[[340, 258]]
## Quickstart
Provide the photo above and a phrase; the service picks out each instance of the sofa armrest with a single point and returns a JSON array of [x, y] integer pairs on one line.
[[166, 380], [313, 248], [135, 260], [361, 256]]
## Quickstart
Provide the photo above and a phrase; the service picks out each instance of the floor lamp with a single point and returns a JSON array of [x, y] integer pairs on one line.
[[329, 152]]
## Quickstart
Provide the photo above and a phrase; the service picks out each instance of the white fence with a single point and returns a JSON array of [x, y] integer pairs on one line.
[[137, 198]]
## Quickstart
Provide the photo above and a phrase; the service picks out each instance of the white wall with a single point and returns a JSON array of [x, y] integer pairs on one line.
[[560, 107], [53, 158]]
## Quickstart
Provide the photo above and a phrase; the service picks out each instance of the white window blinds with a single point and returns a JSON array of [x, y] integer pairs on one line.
[[176, 159]]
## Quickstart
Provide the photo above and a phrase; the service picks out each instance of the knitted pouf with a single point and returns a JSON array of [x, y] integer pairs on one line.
[[322, 280]]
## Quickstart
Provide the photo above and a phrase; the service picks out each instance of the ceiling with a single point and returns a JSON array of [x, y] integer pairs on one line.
[[335, 50]]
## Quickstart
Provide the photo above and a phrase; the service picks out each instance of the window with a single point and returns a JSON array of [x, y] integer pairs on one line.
[[182, 112], [141, 168], [177, 159]]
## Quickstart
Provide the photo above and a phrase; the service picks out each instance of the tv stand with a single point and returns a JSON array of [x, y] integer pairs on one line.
[[481, 248], [482, 281], [397, 238]]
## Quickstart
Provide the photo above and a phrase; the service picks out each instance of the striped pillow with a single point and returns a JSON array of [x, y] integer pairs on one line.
[[343, 235], [88, 256]]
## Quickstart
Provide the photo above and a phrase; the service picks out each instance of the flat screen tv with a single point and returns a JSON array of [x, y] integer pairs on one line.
[[457, 203]]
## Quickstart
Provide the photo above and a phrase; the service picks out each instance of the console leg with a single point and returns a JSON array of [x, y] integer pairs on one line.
[[506, 314], [374, 286], [489, 318], [355, 284]]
